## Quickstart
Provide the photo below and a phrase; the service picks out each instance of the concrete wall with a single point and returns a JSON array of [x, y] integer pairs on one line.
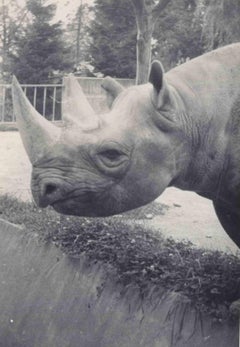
[[96, 94]]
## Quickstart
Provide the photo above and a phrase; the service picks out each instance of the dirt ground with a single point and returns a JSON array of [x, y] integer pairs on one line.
[[188, 216]]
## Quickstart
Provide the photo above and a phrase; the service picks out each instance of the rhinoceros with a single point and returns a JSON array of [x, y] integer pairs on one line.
[[180, 129]]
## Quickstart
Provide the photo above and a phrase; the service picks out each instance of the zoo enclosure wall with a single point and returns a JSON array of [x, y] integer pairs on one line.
[[47, 98]]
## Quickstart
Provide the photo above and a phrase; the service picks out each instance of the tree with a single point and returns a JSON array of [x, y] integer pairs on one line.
[[221, 23], [78, 36], [147, 13], [178, 33], [170, 30], [12, 23], [41, 51], [113, 33]]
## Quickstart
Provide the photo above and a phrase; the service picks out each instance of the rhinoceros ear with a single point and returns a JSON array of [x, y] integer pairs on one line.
[[161, 91], [113, 89]]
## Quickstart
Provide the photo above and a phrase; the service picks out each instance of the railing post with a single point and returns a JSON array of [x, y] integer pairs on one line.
[[3, 103], [35, 96], [54, 103], [44, 101], [63, 93]]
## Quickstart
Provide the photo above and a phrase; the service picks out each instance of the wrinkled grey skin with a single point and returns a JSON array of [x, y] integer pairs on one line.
[[182, 129]]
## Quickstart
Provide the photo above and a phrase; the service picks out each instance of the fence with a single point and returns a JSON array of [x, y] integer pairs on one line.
[[47, 98]]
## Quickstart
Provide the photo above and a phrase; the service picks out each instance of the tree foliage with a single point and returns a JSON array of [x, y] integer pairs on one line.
[[182, 29], [13, 19], [178, 33], [176, 36], [221, 23], [78, 36], [41, 51], [113, 33]]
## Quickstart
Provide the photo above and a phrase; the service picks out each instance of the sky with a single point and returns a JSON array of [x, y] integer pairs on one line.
[[65, 8]]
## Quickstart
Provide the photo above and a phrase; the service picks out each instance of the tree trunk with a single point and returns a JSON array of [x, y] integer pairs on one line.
[[79, 27], [144, 37], [146, 15], [4, 39]]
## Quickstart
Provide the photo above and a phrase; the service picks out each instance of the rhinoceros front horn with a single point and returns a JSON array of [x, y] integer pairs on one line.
[[37, 133], [76, 110]]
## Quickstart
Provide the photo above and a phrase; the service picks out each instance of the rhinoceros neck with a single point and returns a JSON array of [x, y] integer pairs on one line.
[[208, 90], [205, 150]]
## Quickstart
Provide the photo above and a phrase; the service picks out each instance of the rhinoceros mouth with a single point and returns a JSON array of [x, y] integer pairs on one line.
[[91, 203], [74, 207], [87, 202], [73, 197]]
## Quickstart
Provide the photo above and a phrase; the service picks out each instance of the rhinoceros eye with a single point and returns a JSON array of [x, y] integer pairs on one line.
[[111, 154], [111, 158]]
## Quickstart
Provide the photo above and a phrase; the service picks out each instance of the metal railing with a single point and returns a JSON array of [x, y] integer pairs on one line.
[[46, 98], [52, 88]]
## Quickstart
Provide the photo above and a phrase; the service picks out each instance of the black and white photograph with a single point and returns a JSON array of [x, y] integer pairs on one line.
[[119, 173]]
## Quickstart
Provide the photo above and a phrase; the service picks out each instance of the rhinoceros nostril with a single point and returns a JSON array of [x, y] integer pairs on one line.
[[50, 188], [48, 193]]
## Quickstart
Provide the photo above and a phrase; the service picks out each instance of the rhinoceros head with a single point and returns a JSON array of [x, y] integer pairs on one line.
[[99, 165]]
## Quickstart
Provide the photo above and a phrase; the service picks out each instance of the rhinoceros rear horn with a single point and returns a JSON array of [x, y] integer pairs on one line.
[[36, 132], [113, 89], [76, 109]]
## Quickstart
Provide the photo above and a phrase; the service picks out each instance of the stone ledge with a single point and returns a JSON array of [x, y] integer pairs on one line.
[[50, 299]]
